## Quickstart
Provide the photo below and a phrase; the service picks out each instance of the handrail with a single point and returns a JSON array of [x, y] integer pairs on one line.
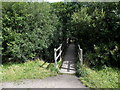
[[80, 54], [59, 47], [57, 56]]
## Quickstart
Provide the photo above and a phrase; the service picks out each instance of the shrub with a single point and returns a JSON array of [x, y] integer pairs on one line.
[[97, 24], [104, 54], [28, 30]]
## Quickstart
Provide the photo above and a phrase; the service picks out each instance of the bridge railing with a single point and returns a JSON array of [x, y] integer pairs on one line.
[[80, 54], [56, 57]]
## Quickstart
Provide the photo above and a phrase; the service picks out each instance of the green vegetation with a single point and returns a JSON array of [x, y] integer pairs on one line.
[[29, 70], [30, 30], [33, 30], [60, 63], [53, 68], [96, 28], [106, 77]]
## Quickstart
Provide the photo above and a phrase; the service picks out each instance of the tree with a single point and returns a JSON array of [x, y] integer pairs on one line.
[[28, 29]]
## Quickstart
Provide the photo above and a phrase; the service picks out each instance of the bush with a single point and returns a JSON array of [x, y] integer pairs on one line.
[[104, 54], [28, 30], [97, 24]]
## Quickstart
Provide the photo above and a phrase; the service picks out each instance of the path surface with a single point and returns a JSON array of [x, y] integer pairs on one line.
[[60, 81], [68, 65]]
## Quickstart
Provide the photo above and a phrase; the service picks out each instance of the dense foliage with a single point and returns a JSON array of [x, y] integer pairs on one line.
[[34, 29], [96, 27], [29, 29]]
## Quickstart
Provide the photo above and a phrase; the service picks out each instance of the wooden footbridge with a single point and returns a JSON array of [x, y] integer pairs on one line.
[[69, 57]]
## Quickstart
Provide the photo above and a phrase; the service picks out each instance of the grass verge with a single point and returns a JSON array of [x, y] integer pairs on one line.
[[104, 78], [29, 70]]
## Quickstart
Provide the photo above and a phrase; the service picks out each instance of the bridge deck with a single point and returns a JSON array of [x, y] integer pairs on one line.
[[68, 65]]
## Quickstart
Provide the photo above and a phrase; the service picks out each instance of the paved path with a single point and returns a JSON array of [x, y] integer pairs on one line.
[[60, 81], [68, 65]]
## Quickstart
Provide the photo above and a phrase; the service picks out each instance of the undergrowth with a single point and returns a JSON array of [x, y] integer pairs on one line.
[[106, 77]]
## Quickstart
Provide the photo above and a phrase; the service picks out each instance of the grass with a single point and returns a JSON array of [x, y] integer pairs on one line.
[[29, 70], [104, 78], [60, 63]]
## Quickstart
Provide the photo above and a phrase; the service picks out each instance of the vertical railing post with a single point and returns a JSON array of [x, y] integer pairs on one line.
[[59, 56], [80, 54], [60, 51], [81, 57], [55, 57]]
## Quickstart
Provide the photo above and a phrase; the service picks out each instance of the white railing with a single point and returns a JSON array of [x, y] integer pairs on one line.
[[59, 55], [80, 54]]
